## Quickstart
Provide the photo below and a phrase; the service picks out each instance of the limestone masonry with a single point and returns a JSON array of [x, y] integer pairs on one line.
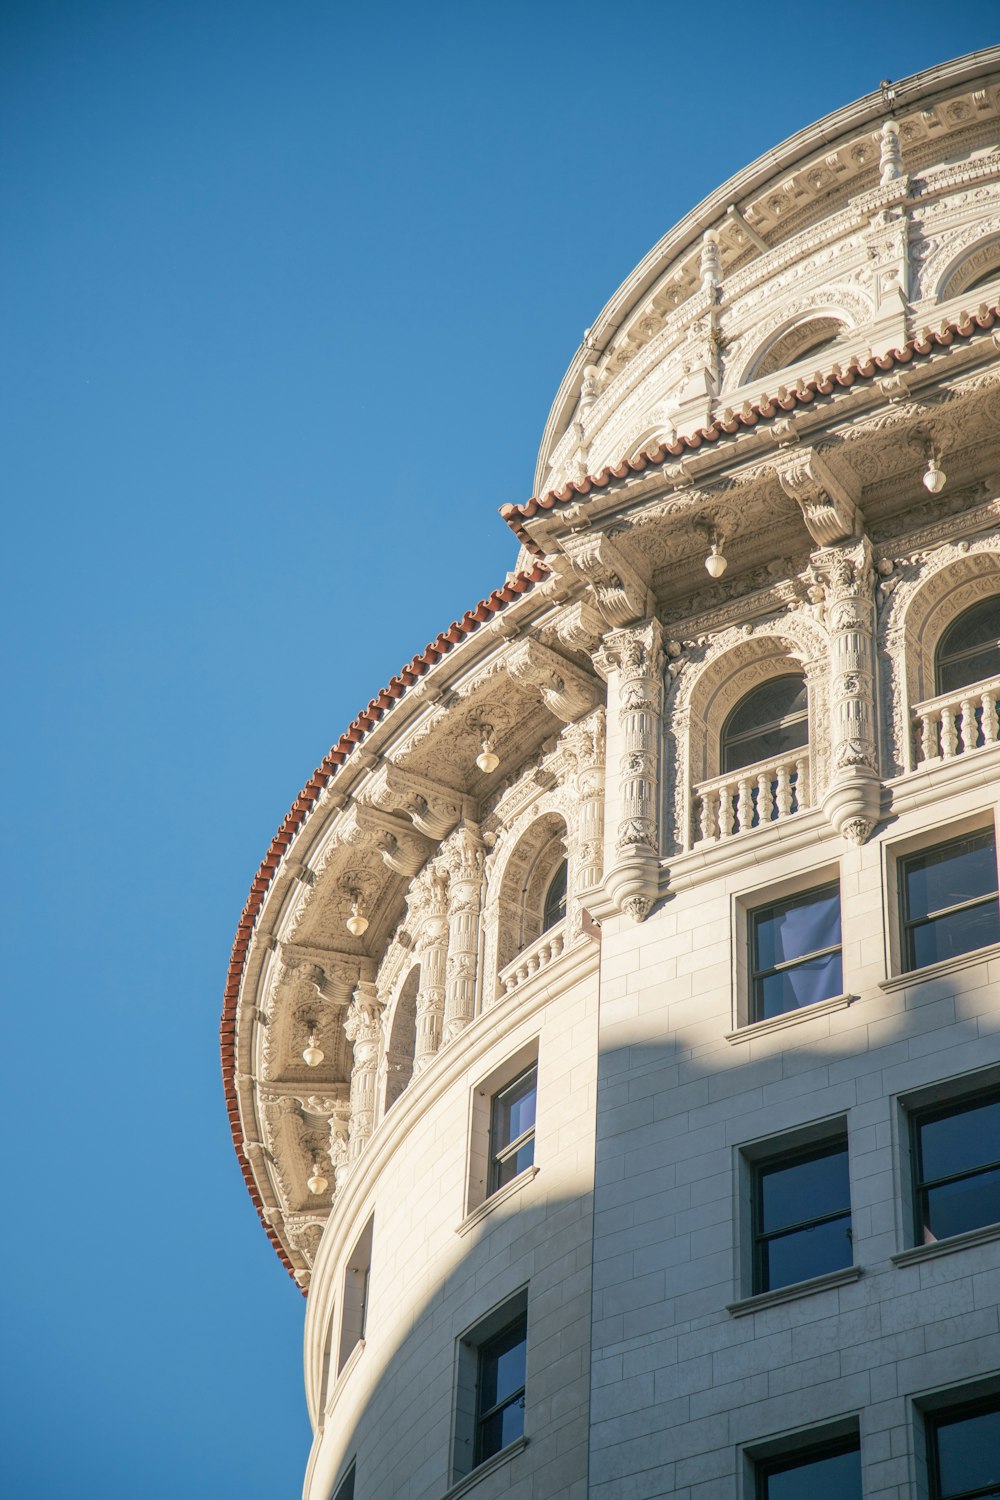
[[612, 1034]]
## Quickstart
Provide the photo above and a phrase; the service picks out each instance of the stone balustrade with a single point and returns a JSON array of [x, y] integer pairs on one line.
[[955, 723], [537, 955], [753, 797]]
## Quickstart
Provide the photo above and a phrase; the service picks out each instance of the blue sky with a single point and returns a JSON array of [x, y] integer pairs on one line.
[[287, 289]]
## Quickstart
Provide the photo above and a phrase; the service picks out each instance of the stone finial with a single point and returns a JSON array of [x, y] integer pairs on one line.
[[711, 264], [890, 159]]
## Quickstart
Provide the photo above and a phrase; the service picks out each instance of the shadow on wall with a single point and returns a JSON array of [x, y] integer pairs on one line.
[[753, 1265]]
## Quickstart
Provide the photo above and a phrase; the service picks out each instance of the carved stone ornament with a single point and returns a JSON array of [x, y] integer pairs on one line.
[[567, 691], [636, 657], [618, 590], [827, 502]]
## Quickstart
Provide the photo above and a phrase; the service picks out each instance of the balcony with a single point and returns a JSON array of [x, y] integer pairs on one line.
[[753, 797], [956, 723], [537, 955]]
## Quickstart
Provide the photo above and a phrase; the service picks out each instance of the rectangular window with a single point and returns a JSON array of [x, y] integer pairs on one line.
[[500, 1389], [345, 1489], [512, 1129], [357, 1276], [948, 899], [956, 1161], [829, 1472], [801, 1216], [795, 956], [963, 1451]]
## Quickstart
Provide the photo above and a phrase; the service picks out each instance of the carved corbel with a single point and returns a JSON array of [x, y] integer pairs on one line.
[[619, 591], [566, 691], [580, 627], [402, 850], [827, 501], [433, 810]]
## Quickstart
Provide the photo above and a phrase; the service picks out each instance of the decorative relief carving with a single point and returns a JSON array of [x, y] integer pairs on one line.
[[828, 500], [463, 857], [363, 1029], [566, 691], [636, 657], [620, 592]]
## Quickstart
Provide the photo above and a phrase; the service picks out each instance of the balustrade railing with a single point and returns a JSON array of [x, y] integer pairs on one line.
[[955, 723], [537, 955], [752, 797]]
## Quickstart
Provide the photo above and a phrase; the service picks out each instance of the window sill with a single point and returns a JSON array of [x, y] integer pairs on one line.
[[790, 1293], [466, 1483], [917, 1253], [494, 1201], [946, 966], [789, 1018]]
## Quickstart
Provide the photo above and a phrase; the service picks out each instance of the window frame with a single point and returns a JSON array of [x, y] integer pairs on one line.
[[834, 1144], [480, 1196], [756, 975], [510, 1311], [956, 656], [520, 1322], [940, 1416], [355, 1295], [957, 1104], [782, 721], [798, 1457], [345, 1489], [500, 1153], [906, 923]]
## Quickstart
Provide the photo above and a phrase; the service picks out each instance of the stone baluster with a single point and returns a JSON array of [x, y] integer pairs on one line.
[[363, 1029], [765, 799], [949, 734], [632, 660], [464, 859], [991, 726], [968, 728], [928, 736], [851, 800], [432, 946]]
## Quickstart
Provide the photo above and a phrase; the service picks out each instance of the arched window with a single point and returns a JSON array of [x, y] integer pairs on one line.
[[555, 899], [768, 724], [802, 341], [969, 650]]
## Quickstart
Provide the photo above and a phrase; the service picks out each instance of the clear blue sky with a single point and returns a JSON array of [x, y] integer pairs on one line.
[[287, 290]]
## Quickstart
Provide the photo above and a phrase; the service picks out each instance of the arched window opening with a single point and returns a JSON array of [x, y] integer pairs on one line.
[[555, 898], [986, 276], [969, 650], [768, 724], [401, 1043], [802, 341]]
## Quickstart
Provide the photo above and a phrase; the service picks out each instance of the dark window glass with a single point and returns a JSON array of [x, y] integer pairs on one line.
[[795, 953], [500, 1396], [969, 650], [964, 1452], [957, 1161], [802, 1214], [829, 1473], [512, 1129], [555, 899], [345, 1489], [949, 899], [766, 724]]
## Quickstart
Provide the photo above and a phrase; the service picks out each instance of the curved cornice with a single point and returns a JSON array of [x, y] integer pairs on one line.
[[747, 185]]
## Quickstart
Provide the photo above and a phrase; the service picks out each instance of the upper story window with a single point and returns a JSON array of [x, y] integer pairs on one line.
[[512, 1129], [964, 1450], [766, 725], [969, 650], [948, 899], [555, 898]]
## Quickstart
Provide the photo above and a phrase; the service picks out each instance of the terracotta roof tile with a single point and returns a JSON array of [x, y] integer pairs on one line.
[[968, 326], [517, 584]]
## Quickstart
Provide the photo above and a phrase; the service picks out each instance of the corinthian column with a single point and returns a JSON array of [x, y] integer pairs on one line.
[[632, 660], [433, 949], [363, 1029], [465, 868], [851, 799]]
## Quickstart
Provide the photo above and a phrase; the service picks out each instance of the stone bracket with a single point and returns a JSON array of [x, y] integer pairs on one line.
[[829, 502], [620, 592], [567, 691]]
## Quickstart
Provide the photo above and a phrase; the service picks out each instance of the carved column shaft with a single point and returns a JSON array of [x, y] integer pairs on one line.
[[851, 801], [363, 1029], [587, 844], [636, 654], [465, 868], [433, 948]]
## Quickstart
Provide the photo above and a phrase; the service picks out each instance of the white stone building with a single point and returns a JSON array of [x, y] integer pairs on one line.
[[612, 1036]]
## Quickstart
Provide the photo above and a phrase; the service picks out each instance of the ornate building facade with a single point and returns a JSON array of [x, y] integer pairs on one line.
[[612, 1034]]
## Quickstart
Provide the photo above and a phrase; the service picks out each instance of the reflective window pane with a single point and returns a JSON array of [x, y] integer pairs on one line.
[[956, 1207], [959, 1141], [807, 1252], [770, 722], [555, 899], [834, 1476], [503, 1427], [518, 1161], [773, 700], [969, 650], [797, 927], [950, 874], [956, 932], [805, 1190], [968, 1454], [813, 979]]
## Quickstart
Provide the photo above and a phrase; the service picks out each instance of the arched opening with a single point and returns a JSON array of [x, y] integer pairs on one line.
[[975, 269], [803, 341], [969, 650], [770, 722], [402, 1040], [554, 908]]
